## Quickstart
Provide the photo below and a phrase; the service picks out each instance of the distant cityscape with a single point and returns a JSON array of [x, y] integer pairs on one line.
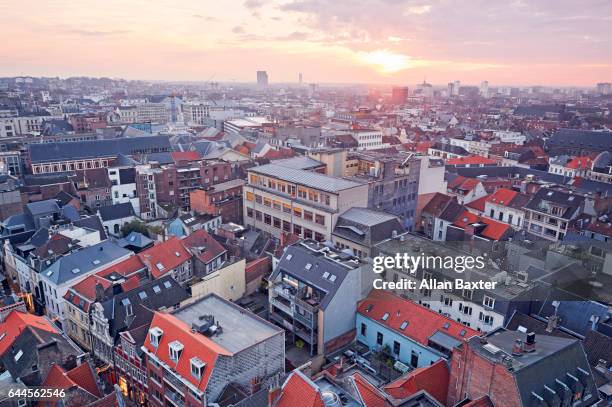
[[211, 243]]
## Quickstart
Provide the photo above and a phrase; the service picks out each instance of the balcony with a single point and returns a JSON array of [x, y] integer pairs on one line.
[[175, 383], [282, 304], [174, 398]]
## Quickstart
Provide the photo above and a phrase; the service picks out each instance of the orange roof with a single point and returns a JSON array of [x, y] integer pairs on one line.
[[422, 322], [433, 379], [195, 345], [580, 163], [471, 160], [503, 196], [462, 183], [299, 391], [16, 322], [81, 376], [371, 396], [185, 156], [126, 267], [478, 204], [165, 256], [494, 230], [242, 149]]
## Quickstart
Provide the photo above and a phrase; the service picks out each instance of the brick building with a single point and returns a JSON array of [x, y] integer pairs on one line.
[[223, 199]]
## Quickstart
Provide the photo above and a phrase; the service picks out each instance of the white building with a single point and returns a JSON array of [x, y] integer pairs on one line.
[[367, 139]]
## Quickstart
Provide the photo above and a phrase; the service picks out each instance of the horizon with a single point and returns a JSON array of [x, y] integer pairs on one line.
[[521, 43]]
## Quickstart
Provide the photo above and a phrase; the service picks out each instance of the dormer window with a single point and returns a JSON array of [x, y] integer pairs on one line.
[[175, 349], [197, 367], [155, 335], [385, 316]]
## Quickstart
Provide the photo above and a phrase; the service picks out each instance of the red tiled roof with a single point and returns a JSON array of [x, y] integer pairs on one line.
[[299, 391], [126, 267], [600, 228], [87, 287], [371, 396], [478, 204], [494, 230], [463, 183], [483, 401], [437, 203], [165, 256], [279, 154], [83, 376], [433, 379], [200, 240], [243, 150], [471, 160], [581, 163], [503, 196], [185, 156], [422, 322], [195, 345], [16, 322]]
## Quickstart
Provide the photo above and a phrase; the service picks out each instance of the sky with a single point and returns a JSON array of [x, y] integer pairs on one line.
[[520, 42]]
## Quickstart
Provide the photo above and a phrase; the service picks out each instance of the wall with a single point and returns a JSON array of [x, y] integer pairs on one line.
[[221, 281]]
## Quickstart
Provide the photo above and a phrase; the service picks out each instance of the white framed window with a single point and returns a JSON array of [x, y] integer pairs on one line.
[[197, 367], [175, 349], [488, 301], [155, 335]]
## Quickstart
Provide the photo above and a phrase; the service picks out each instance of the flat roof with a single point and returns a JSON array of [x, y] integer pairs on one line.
[[240, 328], [305, 178]]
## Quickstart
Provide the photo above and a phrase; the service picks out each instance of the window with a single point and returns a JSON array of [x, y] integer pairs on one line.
[[297, 212], [396, 347], [385, 316], [175, 349], [467, 294], [155, 335], [414, 359], [308, 216], [249, 212], [276, 222], [320, 219], [297, 229], [364, 329], [267, 219], [249, 196], [197, 367], [379, 338], [404, 325], [488, 302]]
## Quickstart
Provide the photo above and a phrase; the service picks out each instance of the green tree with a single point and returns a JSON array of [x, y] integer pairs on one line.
[[134, 226]]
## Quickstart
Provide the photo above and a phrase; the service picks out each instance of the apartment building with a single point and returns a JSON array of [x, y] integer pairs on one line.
[[314, 294], [482, 309], [73, 268], [196, 113], [550, 212], [224, 199], [279, 200], [195, 352], [152, 112], [367, 139]]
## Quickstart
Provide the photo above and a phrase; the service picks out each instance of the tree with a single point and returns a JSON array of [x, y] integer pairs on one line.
[[134, 226]]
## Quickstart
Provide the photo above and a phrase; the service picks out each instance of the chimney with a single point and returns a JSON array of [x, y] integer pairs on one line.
[[273, 394], [552, 323], [255, 385], [517, 349], [99, 291], [530, 343]]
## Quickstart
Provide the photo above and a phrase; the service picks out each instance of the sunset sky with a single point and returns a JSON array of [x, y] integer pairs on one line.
[[522, 42]]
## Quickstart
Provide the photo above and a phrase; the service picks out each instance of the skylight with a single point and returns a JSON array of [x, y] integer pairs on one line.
[[463, 332], [96, 262], [177, 254], [160, 266], [142, 295], [325, 275], [404, 325], [332, 278], [167, 284], [308, 266], [156, 289], [289, 256], [446, 325], [386, 316], [76, 270]]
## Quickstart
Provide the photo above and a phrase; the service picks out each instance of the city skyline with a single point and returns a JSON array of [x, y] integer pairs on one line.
[[521, 43]]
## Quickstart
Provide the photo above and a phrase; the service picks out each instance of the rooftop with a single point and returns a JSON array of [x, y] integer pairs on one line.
[[305, 178], [240, 329]]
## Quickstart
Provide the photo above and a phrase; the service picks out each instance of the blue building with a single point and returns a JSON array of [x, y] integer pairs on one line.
[[409, 332]]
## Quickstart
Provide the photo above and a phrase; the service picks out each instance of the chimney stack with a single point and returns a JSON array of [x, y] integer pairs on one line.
[[552, 323], [530, 343], [517, 349]]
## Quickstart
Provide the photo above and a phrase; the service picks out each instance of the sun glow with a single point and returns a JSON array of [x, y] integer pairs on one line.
[[386, 61]]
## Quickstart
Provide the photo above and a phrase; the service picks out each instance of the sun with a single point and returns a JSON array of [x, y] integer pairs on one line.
[[386, 61]]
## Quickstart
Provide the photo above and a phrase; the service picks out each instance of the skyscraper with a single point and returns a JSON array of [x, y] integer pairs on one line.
[[399, 94], [300, 78], [484, 89], [262, 78]]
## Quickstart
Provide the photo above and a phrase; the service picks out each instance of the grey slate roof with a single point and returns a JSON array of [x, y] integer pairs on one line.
[[156, 294], [82, 262], [117, 211], [92, 222], [135, 239], [570, 201], [553, 359], [301, 162], [48, 152], [42, 207], [305, 178], [366, 226], [294, 262], [586, 139]]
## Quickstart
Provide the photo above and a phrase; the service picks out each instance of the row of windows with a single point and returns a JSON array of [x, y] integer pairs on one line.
[[286, 208], [284, 225]]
